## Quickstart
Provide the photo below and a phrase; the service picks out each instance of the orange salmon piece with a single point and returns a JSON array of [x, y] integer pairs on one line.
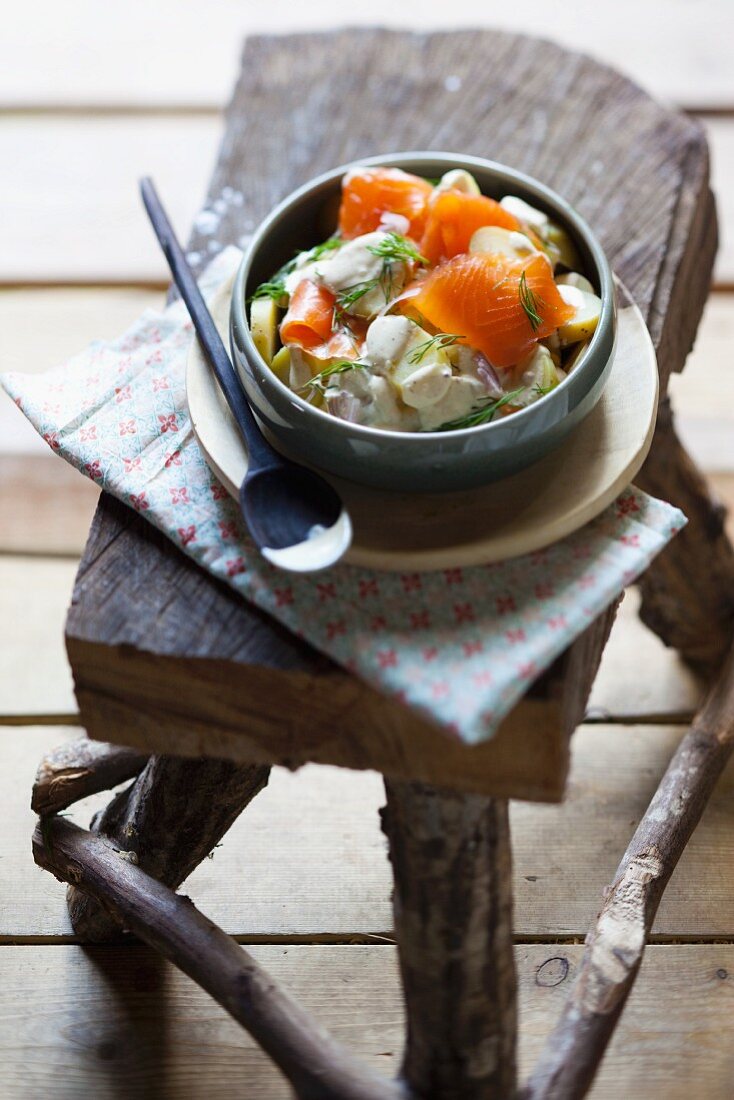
[[454, 217], [338, 346], [310, 315], [368, 193], [481, 297]]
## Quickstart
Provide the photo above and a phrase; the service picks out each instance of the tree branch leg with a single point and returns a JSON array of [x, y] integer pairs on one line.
[[317, 1066], [169, 820], [688, 590], [453, 923], [83, 767], [615, 946]]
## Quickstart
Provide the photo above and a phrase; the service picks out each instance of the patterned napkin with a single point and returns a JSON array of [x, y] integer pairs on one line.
[[460, 646]]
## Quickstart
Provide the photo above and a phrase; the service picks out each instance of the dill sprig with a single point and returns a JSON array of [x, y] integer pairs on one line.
[[274, 289], [543, 390], [483, 415], [317, 381], [530, 301], [328, 245], [394, 247], [436, 343], [351, 294], [310, 255]]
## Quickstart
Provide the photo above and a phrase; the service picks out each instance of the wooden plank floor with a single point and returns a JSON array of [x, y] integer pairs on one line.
[[89, 101]]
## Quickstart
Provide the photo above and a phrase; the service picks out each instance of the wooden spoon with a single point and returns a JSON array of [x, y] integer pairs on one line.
[[296, 519]]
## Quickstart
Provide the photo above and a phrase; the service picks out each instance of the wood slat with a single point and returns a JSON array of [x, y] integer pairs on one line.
[[69, 183], [113, 1022], [34, 673], [40, 329], [308, 859], [564, 858], [721, 139], [98, 54], [46, 505], [703, 395], [666, 689]]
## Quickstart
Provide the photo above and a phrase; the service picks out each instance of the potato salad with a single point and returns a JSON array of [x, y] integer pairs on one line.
[[431, 308]]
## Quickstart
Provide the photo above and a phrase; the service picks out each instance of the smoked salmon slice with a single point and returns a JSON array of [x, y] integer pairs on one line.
[[498, 305], [310, 317], [368, 193], [454, 217], [338, 346]]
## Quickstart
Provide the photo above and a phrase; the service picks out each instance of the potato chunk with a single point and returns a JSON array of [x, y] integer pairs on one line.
[[588, 311], [264, 327], [506, 242], [573, 278], [458, 180]]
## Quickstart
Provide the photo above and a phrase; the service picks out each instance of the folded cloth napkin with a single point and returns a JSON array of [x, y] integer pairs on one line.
[[460, 646]]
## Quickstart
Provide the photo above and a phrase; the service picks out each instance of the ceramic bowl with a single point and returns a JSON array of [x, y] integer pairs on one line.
[[415, 461]]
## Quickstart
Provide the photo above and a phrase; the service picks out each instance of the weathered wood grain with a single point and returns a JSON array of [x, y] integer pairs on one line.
[[72, 771], [316, 1065], [309, 859], [306, 860], [169, 819], [616, 942], [653, 214], [293, 705], [45, 60], [452, 866], [119, 1022]]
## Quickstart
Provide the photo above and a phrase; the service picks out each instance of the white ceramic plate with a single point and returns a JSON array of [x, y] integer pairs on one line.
[[522, 513]]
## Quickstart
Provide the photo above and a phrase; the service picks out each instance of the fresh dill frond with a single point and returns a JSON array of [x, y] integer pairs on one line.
[[543, 390], [306, 256], [482, 415], [529, 301], [319, 381], [351, 294], [326, 246], [394, 247], [436, 343], [274, 289], [391, 249]]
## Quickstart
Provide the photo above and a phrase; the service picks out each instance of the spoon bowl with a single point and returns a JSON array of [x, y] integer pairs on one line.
[[296, 518]]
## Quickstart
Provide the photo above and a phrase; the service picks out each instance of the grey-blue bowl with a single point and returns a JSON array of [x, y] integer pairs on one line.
[[415, 461]]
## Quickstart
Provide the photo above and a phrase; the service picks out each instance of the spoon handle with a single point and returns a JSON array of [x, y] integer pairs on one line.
[[259, 450]]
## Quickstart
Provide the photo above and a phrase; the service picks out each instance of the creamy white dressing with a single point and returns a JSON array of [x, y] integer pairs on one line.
[[462, 394], [387, 341], [351, 264], [407, 378], [426, 386]]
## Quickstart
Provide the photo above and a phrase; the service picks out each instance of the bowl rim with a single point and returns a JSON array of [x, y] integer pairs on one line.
[[540, 190]]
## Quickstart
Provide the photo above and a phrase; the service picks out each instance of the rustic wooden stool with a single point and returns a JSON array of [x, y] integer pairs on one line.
[[171, 662]]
